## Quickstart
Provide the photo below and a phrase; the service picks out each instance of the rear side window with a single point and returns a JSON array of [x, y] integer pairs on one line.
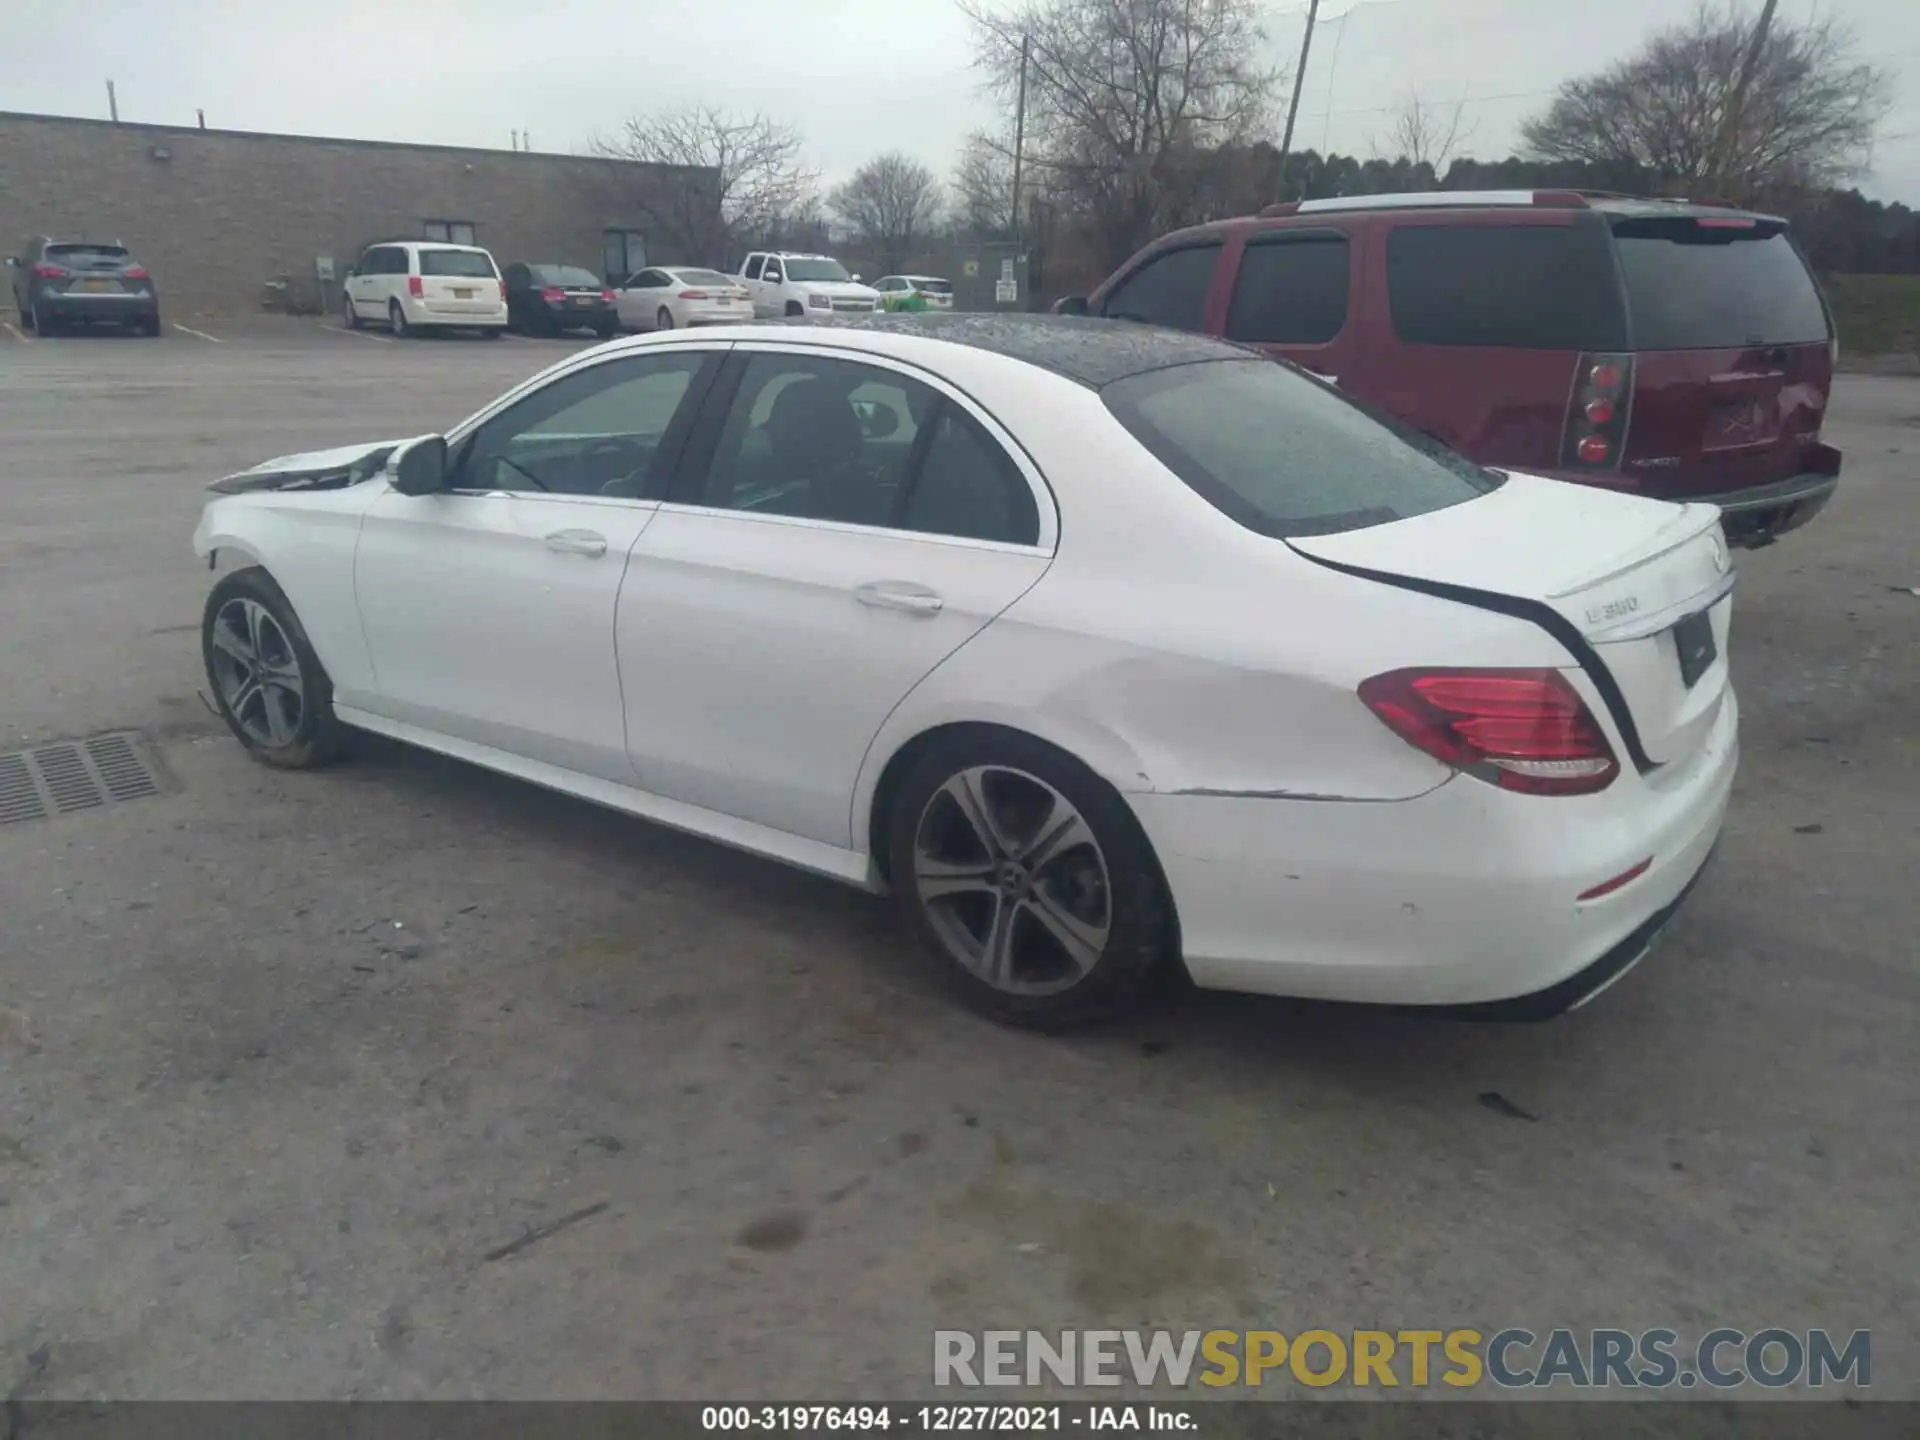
[[753, 268], [1290, 291], [1525, 287], [1170, 289], [967, 487], [1285, 455], [468, 264], [1707, 287]]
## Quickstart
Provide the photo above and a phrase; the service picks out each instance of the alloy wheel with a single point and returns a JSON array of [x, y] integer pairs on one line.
[[258, 673], [664, 320], [1012, 880]]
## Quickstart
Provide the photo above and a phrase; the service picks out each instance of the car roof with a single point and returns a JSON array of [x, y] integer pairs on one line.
[[1090, 352], [434, 245]]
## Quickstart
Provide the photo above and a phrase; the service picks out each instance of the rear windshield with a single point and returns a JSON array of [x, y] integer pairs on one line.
[[89, 254], [472, 264], [560, 275], [1285, 455], [1696, 287], [704, 277], [932, 287]]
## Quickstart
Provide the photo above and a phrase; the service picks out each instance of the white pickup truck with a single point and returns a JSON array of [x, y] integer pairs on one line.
[[788, 284]]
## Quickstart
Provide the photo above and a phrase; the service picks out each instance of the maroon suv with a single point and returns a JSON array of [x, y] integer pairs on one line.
[[1674, 349]]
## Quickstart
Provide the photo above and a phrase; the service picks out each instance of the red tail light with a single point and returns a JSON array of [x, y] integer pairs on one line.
[[607, 295], [693, 295], [137, 272], [552, 294], [503, 289], [51, 272], [1522, 730], [1598, 413], [414, 287]]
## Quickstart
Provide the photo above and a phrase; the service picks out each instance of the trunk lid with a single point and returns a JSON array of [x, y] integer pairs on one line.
[[1612, 575], [459, 281], [91, 269], [1733, 353]]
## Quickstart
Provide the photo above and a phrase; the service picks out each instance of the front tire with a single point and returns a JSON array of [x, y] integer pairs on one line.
[[794, 309], [350, 313], [267, 683], [1028, 881], [397, 321]]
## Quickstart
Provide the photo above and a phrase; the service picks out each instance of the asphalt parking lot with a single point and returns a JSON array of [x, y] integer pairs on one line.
[[406, 1080]]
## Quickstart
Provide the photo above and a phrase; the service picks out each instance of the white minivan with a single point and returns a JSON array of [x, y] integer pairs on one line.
[[414, 285]]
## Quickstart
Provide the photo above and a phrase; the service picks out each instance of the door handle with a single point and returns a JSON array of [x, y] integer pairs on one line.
[[899, 595], [578, 542]]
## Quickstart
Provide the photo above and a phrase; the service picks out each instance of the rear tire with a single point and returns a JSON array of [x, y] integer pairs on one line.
[[490, 333], [663, 320], [45, 326], [267, 683], [1028, 880], [397, 322], [150, 326], [606, 331]]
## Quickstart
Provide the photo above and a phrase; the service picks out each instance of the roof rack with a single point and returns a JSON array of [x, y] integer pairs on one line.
[[1436, 200]]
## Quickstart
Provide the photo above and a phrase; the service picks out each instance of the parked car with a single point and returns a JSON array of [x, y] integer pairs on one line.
[[550, 299], [782, 283], [419, 285], [914, 292], [1666, 348], [676, 297], [58, 284], [1102, 656]]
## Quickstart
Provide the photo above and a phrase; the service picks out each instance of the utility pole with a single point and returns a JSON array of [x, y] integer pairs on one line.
[[203, 118], [1299, 74], [1020, 137], [113, 104], [1736, 102]]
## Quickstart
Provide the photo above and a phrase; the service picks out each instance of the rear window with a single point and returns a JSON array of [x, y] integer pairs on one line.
[[88, 254], [1285, 455], [931, 286], [1695, 287], [470, 264], [1524, 287], [703, 277], [560, 275]]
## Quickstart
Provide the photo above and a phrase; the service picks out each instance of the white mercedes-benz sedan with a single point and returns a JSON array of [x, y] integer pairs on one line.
[[1107, 650]]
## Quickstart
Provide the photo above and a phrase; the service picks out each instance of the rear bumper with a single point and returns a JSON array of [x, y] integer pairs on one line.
[[1762, 514], [477, 317], [97, 307]]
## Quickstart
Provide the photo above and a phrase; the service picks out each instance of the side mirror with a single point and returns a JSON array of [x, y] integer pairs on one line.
[[422, 467], [856, 276], [1071, 305]]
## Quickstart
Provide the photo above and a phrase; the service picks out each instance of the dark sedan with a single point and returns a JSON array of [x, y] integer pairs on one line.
[[547, 299], [58, 284]]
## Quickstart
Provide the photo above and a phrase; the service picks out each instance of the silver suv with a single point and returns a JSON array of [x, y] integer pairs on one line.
[[62, 283]]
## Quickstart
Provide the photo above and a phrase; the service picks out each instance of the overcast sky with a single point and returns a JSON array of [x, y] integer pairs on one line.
[[856, 76]]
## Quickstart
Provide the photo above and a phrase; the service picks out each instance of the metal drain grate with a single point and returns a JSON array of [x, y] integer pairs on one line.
[[65, 776]]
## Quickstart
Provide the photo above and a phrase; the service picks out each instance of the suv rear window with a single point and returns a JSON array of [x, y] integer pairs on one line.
[[88, 254], [1708, 287], [470, 264], [1525, 287], [1285, 455]]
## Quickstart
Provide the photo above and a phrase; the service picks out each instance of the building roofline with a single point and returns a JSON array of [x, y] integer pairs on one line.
[[146, 127]]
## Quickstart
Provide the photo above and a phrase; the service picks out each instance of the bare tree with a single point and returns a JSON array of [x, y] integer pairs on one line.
[[892, 200], [1125, 98], [1427, 133], [761, 180], [983, 184], [1809, 117]]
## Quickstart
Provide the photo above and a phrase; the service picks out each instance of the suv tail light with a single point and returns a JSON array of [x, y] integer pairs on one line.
[[50, 272], [503, 289], [552, 294], [1522, 730], [607, 296], [136, 272], [1598, 410], [414, 287]]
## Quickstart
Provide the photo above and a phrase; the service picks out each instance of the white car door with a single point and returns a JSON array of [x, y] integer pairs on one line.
[[363, 282], [489, 608], [808, 571], [770, 298], [633, 302]]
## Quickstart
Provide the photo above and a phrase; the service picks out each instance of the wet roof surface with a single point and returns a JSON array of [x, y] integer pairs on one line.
[[1093, 352]]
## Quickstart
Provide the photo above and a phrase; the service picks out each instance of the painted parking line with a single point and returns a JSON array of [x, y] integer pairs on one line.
[[358, 334], [8, 327], [197, 334]]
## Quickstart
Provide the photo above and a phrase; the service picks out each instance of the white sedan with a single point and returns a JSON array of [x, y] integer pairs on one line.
[[675, 299], [1107, 650]]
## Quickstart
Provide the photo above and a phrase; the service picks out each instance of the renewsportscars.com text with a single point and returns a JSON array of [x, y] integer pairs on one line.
[[1513, 1358]]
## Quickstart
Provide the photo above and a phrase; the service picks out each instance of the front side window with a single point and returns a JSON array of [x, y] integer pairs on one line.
[[1290, 291], [1169, 289], [592, 432], [772, 273], [1526, 287], [458, 264], [1285, 455]]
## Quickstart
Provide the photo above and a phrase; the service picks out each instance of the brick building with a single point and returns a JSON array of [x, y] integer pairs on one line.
[[231, 222]]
